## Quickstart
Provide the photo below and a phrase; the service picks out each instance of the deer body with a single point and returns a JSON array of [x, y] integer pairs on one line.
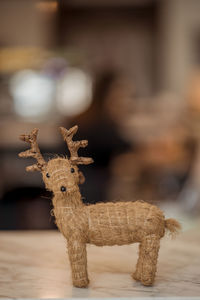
[[120, 223], [108, 224], [102, 224]]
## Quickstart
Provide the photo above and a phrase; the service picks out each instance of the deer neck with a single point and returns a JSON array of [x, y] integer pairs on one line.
[[70, 201]]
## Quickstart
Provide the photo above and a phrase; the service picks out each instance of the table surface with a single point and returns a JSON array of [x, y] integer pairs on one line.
[[34, 264]]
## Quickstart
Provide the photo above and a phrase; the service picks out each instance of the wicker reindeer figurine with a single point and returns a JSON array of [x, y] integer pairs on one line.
[[102, 224]]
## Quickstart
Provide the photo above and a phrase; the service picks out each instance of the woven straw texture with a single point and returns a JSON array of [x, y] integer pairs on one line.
[[102, 224]]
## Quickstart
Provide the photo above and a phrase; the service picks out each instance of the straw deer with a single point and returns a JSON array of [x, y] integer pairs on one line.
[[101, 224]]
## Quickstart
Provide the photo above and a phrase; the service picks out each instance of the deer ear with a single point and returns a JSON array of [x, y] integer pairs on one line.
[[81, 177]]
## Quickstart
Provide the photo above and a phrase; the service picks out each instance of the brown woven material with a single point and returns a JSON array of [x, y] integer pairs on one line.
[[33, 152], [99, 224]]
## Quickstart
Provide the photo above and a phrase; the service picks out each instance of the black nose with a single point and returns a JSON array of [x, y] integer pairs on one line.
[[63, 188]]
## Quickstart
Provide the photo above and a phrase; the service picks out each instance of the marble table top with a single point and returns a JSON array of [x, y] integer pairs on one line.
[[34, 264]]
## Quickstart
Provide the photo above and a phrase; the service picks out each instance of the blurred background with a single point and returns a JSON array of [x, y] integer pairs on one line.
[[128, 73]]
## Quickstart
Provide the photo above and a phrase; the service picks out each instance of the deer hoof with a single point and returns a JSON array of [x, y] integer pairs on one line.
[[136, 276], [147, 282], [81, 283]]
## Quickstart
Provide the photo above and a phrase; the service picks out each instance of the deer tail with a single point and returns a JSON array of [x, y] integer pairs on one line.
[[172, 226]]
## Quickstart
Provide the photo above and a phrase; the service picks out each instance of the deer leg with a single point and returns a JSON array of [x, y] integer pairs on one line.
[[137, 274], [148, 258], [78, 260]]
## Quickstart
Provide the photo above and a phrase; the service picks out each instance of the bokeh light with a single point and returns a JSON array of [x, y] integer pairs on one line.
[[74, 92], [32, 93]]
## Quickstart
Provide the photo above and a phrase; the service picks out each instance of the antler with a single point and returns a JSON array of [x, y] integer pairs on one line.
[[74, 146], [34, 151]]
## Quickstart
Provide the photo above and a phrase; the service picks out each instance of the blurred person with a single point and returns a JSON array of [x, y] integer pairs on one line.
[[159, 163], [100, 125], [190, 195]]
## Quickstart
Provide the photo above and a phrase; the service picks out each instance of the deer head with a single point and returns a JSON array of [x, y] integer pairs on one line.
[[60, 175]]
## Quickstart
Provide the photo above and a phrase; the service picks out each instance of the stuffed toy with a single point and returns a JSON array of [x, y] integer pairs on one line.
[[101, 224]]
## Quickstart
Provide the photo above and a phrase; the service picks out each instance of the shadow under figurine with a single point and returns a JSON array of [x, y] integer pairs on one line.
[[101, 224]]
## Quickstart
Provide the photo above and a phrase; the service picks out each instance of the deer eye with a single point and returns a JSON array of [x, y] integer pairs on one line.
[[47, 175], [72, 170]]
